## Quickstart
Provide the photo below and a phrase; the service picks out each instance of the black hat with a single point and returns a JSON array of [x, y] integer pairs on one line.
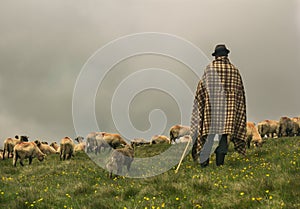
[[221, 50]]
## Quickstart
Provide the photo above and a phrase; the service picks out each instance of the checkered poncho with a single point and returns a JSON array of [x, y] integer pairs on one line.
[[219, 106]]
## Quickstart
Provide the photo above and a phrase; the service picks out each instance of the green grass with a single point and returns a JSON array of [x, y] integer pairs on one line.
[[267, 178]]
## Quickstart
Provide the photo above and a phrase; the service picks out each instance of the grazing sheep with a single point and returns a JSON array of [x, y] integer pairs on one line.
[[120, 157], [253, 135], [178, 131], [138, 142], [9, 144], [81, 144], [109, 140], [184, 139], [45, 148], [159, 139], [286, 127], [296, 121], [91, 143], [55, 146], [25, 150], [268, 128], [66, 148]]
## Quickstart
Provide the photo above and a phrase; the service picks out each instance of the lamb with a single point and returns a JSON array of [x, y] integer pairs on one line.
[[25, 150], [120, 157]]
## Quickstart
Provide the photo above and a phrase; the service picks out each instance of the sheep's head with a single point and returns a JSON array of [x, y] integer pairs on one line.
[[37, 142], [79, 139], [41, 157]]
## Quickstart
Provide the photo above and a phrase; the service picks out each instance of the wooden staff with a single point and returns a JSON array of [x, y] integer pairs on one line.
[[187, 145]]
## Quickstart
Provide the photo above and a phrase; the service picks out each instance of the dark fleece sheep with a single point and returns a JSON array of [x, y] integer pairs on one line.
[[119, 158]]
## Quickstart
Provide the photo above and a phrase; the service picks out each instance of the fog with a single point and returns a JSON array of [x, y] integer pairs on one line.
[[45, 44]]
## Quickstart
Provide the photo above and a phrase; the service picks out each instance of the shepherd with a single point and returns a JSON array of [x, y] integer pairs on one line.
[[219, 109]]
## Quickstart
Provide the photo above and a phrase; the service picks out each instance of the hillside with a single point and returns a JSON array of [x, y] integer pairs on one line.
[[268, 178]]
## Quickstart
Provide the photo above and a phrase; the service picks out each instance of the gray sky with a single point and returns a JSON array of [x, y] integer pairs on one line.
[[44, 45]]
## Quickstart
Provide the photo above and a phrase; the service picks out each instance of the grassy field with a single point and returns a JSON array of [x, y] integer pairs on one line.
[[268, 178]]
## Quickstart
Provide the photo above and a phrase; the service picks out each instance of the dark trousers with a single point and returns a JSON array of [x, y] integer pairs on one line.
[[221, 150], [223, 145]]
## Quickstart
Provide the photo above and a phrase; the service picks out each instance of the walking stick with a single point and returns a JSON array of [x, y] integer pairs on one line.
[[187, 145]]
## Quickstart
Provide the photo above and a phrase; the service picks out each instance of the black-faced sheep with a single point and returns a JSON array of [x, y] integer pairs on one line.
[[10, 143], [81, 144], [45, 148], [25, 150]]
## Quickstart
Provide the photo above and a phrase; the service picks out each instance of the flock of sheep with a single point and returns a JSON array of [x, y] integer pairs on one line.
[[284, 127], [19, 148]]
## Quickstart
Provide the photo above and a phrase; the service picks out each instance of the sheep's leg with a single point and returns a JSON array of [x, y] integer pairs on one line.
[[129, 165], [3, 154], [15, 160], [248, 143], [119, 170], [70, 155], [30, 160], [110, 175], [21, 162]]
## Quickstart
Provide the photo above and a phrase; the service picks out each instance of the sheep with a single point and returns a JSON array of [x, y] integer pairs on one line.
[[66, 148], [120, 157], [296, 129], [138, 142], [109, 140], [253, 135], [9, 144], [178, 131], [81, 144], [55, 146], [91, 143], [268, 128], [45, 148], [287, 127], [159, 139], [184, 139], [25, 150]]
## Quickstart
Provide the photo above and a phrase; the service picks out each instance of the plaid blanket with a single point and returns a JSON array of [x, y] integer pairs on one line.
[[219, 106]]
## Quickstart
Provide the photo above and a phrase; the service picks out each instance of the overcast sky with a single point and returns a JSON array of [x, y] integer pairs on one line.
[[44, 45]]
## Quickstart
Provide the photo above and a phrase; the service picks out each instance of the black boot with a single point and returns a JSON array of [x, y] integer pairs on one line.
[[220, 159], [205, 163]]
